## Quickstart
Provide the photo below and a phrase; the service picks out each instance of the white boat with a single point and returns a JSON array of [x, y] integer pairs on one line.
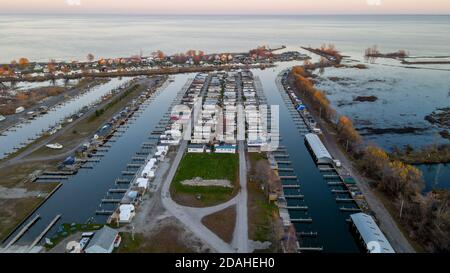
[[55, 146], [2, 118]]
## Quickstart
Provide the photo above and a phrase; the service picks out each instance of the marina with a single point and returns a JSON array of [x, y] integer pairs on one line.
[[91, 184], [22, 134], [332, 233]]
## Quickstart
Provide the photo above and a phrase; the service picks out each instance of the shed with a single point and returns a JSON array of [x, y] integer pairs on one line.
[[370, 234], [319, 151], [103, 241]]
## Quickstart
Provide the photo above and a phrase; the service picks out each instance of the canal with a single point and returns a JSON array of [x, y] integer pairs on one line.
[[19, 134], [327, 220], [79, 196]]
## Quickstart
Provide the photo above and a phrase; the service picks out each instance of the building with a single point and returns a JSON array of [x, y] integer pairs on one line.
[[104, 241], [370, 235], [127, 213], [319, 151], [225, 149], [196, 148]]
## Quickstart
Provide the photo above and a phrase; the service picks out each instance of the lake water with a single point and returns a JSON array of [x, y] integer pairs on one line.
[[74, 36]]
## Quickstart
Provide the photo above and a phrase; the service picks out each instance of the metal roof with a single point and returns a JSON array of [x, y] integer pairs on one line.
[[320, 152], [103, 238], [373, 237]]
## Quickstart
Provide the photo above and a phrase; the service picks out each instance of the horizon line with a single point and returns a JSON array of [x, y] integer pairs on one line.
[[224, 14]]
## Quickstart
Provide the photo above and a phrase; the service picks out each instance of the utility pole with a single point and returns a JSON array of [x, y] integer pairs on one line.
[[401, 208], [132, 232]]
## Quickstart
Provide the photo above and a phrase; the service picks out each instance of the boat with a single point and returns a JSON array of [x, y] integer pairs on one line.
[[55, 146], [2, 118]]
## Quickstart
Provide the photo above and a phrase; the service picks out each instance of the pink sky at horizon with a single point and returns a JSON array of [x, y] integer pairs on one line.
[[228, 6]]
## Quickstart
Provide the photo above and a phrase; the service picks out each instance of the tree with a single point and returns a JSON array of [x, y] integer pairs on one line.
[[90, 57], [21, 96], [51, 66], [24, 62], [158, 54], [374, 161]]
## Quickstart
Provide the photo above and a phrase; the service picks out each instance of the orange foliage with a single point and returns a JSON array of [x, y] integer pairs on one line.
[[24, 62]]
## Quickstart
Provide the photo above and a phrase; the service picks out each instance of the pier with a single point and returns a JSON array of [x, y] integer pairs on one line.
[[111, 200], [294, 196], [290, 186], [39, 238], [297, 208], [345, 200], [310, 249], [307, 234], [301, 220], [117, 190], [104, 212], [23, 230]]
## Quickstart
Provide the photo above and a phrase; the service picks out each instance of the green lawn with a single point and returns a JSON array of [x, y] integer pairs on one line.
[[206, 166]]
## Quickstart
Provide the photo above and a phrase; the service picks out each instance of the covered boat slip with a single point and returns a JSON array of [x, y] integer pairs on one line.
[[370, 234], [319, 151]]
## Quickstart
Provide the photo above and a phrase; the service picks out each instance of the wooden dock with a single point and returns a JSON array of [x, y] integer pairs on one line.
[[292, 196], [23, 230], [301, 220], [297, 207], [40, 236]]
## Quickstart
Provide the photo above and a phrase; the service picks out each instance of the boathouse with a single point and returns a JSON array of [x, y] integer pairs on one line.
[[104, 241], [320, 153], [370, 235]]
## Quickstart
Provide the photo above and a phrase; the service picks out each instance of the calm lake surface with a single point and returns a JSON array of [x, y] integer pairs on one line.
[[73, 36]]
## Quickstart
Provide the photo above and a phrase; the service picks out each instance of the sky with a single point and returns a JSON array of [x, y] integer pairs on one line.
[[227, 6]]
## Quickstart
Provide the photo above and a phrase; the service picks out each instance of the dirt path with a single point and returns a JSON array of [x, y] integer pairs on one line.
[[190, 221]]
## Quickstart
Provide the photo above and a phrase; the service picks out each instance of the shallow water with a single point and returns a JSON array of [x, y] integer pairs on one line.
[[437, 176], [405, 97]]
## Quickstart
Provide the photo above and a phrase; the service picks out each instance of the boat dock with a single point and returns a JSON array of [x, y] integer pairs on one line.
[[23, 230], [40, 236]]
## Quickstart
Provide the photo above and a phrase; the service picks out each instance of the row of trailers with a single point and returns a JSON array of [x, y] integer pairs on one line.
[[128, 187]]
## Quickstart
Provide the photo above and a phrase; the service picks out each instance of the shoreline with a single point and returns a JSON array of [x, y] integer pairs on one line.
[[146, 72], [388, 224]]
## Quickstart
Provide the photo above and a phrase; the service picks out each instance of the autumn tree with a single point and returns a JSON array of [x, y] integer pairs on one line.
[[24, 63], [158, 54], [347, 134], [21, 96]]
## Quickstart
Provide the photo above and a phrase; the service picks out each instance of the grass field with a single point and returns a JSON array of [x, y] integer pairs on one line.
[[261, 213], [207, 166]]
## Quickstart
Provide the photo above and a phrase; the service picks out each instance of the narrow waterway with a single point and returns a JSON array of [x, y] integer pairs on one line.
[[328, 221], [22, 133], [80, 195]]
